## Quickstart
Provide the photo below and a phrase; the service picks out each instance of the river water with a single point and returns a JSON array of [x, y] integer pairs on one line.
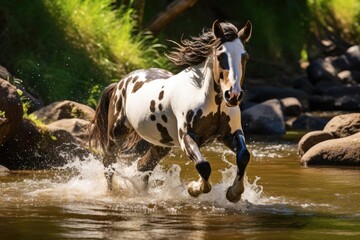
[[282, 200]]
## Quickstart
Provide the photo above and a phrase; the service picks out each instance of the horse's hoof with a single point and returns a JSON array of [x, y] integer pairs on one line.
[[231, 196], [196, 188]]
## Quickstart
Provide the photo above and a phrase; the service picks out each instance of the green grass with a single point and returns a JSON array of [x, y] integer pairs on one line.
[[62, 49]]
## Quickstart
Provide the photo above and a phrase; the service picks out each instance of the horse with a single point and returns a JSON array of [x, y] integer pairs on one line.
[[187, 110]]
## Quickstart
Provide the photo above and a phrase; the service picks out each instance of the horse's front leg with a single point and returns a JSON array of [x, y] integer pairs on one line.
[[190, 147], [236, 142]]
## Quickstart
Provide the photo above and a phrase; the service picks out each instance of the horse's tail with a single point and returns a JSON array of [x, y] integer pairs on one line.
[[99, 125]]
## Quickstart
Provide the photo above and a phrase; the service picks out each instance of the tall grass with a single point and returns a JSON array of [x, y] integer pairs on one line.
[[61, 48]]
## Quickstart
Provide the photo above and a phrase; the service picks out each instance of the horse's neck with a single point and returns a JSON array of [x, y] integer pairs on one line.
[[202, 75]]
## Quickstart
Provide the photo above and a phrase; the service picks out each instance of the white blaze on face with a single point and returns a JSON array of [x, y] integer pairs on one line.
[[234, 50]]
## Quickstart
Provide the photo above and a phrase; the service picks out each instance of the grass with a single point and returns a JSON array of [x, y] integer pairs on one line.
[[62, 49]]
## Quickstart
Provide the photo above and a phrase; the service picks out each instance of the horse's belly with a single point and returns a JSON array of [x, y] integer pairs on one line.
[[159, 134]]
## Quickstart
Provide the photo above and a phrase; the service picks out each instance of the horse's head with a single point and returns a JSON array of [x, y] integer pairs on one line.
[[230, 62]]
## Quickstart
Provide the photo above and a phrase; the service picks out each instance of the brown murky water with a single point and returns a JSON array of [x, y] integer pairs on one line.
[[282, 200]]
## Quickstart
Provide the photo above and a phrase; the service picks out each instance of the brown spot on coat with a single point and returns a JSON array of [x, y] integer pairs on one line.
[[135, 78], [164, 118], [161, 95], [119, 104], [152, 117], [137, 86], [160, 107], [165, 136], [152, 106]]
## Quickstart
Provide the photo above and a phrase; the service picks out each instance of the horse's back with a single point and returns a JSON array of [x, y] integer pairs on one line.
[[147, 105]]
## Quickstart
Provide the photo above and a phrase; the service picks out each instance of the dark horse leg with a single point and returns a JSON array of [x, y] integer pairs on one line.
[[108, 160], [236, 142], [151, 158], [202, 166]]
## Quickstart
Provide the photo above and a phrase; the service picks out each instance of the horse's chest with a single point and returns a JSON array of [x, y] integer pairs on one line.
[[206, 127]]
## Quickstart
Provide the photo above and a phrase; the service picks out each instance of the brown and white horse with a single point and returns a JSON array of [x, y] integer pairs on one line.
[[186, 110]]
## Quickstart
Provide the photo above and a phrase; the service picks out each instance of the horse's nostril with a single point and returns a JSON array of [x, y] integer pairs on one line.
[[227, 95]]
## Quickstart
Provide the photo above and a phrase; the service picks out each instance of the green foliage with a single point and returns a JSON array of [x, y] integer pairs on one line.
[[337, 17], [2, 114], [61, 49]]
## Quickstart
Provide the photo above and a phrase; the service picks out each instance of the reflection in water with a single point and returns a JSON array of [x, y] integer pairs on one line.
[[281, 200]]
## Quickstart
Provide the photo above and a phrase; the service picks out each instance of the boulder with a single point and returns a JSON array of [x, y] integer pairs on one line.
[[262, 93], [304, 84], [291, 106], [321, 70], [264, 118], [78, 128], [349, 76], [341, 151], [11, 111], [4, 171], [312, 138], [353, 57], [64, 109], [308, 123], [37, 148], [344, 125]]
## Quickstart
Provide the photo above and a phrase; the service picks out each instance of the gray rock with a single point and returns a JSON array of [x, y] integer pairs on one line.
[[341, 151], [64, 109], [344, 125], [312, 138], [308, 123], [264, 118], [11, 111], [291, 106], [78, 128], [349, 76]]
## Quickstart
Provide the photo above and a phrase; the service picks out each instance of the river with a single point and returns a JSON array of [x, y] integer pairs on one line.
[[282, 200]]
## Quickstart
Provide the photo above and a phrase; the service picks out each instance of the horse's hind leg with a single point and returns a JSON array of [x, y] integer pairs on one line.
[[151, 158], [108, 160]]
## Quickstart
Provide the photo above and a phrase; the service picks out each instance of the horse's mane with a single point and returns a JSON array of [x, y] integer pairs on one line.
[[196, 49]]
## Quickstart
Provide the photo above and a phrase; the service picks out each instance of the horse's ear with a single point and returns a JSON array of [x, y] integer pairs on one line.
[[217, 29], [245, 33]]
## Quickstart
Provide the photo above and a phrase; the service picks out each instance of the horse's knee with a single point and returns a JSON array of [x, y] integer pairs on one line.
[[204, 169]]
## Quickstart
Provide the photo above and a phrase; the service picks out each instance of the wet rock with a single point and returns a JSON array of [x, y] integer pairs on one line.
[[304, 84], [64, 109], [312, 138], [344, 125], [291, 106], [11, 111], [341, 151], [263, 93], [264, 118], [78, 128], [4, 171], [321, 70], [353, 57], [308, 123], [37, 148], [349, 76], [323, 103]]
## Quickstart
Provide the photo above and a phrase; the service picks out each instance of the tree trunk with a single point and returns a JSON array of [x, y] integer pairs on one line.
[[172, 11]]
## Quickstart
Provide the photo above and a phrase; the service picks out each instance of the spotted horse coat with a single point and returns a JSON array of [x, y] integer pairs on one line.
[[187, 110]]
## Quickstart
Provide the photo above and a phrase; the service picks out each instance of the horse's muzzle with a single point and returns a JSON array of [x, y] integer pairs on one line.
[[232, 99]]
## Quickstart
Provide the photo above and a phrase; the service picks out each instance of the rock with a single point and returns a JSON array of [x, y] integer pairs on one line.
[[309, 123], [259, 94], [312, 138], [291, 106], [344, 125], [304, 84], [4, 74], [78, 128], [35, 148], [341, 151], [323, 103], [11, 111], [321, 70], [264, 118], [4, 171], [64, 109], [353, 57], [349, 76]]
